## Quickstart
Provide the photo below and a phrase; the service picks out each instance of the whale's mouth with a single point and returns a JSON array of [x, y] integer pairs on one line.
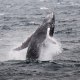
[[50, 20], [51, 32]]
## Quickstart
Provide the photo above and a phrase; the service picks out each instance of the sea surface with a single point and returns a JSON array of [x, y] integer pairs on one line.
[[20, 18]]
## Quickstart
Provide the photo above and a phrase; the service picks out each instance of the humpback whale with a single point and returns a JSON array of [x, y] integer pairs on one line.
[[41, 44]]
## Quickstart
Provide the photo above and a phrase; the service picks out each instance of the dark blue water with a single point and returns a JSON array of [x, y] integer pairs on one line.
[[20, 18]]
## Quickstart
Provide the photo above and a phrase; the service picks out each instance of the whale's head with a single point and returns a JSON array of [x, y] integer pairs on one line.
[[50, 19], [50, 22]]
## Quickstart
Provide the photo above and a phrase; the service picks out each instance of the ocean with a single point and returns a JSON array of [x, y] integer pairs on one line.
[[20, 18]]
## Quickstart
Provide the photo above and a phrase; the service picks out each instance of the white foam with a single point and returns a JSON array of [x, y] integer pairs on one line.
[[49, 49], [43, 8], [17, 55], [42, 0], [1, 14], [1, 39]]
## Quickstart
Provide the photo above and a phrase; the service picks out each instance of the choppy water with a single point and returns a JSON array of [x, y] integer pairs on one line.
[[20, 18]]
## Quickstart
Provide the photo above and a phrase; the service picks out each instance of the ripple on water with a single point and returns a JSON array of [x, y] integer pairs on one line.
[[5, 27]]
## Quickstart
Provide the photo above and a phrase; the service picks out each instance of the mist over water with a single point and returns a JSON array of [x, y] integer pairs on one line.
[[20, 18]]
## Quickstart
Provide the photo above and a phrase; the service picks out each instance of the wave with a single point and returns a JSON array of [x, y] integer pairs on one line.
[[43, 8]]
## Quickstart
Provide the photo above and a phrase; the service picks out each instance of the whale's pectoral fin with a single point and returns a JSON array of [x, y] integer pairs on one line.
[[24, 45]]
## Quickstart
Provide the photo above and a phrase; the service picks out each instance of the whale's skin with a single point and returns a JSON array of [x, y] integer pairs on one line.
[[34, 42]]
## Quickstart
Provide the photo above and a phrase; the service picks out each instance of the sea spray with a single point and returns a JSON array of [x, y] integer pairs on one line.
[[17, 55], [50, 49]]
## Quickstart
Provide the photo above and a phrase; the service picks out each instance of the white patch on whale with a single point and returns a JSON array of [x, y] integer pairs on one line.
[[49, 48]]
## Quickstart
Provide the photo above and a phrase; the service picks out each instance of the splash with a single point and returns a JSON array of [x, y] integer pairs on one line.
[[17, 55], [50, 49]]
